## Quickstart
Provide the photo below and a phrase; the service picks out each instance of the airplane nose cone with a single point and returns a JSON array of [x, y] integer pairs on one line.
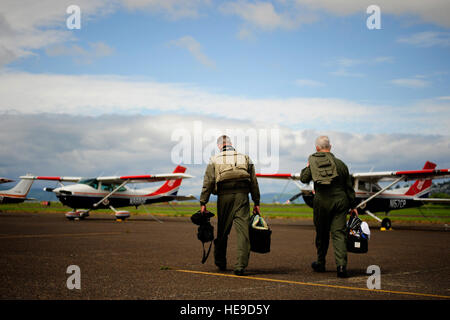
[[62, 191]]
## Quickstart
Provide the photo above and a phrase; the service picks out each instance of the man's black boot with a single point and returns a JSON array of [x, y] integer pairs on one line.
[[342, 272], [318, 267], [221, 266], [239, 272]]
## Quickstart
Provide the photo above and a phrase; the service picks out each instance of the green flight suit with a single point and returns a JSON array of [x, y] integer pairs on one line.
[[233, 207], [331, 205]]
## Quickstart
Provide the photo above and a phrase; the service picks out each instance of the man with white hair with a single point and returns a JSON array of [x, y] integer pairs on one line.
[[232, 177], [334, 197]]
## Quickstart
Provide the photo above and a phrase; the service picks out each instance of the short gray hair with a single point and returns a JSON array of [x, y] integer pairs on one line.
[[223, 140], [323, 143]]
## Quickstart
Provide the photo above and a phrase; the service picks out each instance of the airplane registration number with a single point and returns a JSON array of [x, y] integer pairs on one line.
[[397, 204], [137, 201]]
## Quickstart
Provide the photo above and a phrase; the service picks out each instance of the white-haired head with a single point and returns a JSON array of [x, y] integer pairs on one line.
[[323, 143], [223, 141]]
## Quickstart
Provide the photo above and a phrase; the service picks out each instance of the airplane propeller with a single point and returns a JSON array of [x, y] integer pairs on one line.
[[295, 197]]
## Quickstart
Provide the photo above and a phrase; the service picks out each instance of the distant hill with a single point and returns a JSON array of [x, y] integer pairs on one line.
[[41, 195], [272, 197]]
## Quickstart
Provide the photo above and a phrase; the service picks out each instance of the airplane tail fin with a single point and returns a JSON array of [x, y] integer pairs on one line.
[[21, 189], [172, 186], [420, 186]]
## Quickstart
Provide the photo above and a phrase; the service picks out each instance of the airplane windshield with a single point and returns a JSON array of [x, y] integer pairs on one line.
[[368, 186], [90, 182], [110, 187]]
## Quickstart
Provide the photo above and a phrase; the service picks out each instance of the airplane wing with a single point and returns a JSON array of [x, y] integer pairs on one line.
[[60, 179], [5, 180], [281, 176], [117, 179], [375, 176], [408, 175], [145, 178]]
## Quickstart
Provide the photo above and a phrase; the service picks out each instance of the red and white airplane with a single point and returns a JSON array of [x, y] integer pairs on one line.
[[372, 197], [5, 180], [112, 192], [18, 193]]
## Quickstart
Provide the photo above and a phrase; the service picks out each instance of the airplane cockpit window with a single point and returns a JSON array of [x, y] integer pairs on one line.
[[111, 187], [367, 186], [375, 187], [107, 187], [90, 182], [363, 186]]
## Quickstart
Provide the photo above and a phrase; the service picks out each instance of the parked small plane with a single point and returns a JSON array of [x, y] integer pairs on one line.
[[5, 180], [16, 194], [372, 197], [113, 192]]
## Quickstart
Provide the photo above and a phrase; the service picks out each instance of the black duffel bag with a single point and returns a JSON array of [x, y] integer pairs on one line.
[[205, 231], [259, 233], [357, 240]]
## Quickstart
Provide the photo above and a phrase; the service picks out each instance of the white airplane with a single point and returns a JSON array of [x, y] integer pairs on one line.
[[372, 197], [16, 194], [112, 192], [5, 180]]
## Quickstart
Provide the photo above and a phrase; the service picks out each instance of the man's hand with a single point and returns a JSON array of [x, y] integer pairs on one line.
[[202, 209], [257, 210], [307, 164], [354, 212]]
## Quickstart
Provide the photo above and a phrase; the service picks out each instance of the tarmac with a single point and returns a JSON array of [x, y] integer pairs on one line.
[[142, 258]]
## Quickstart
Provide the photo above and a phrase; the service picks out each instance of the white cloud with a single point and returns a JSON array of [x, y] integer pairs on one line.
[[173, 9], [344, 65], [262, 15], [427, 39], [345, 73], [134, 144], [28, 93], [383, 59], [28, 25], [410, 82], [194, 47], [308, 83], [81, 55], [433, 11], [291, 14]]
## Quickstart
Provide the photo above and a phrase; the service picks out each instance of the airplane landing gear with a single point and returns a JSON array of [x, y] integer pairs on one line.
[[386, 223], [122, 215], [77, 214]]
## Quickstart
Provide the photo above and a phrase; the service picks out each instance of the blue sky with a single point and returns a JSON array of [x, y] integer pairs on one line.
[[305, 67]]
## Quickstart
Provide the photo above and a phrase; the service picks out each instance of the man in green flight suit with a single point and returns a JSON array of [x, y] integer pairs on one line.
[[334, 197], [231, 176]]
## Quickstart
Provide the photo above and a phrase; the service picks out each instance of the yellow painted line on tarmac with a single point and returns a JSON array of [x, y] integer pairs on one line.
[[56, 235], [316, 284]]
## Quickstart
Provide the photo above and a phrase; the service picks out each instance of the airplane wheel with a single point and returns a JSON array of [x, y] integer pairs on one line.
[[386, 223]]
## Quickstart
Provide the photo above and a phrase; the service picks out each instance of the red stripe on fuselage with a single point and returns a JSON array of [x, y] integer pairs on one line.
[[12, 195]]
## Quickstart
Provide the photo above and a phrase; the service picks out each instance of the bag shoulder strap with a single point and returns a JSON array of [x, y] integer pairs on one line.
[[206, 255]]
